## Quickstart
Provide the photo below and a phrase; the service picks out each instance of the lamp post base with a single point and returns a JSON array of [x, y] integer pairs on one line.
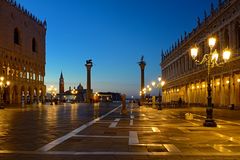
[[210, 123]]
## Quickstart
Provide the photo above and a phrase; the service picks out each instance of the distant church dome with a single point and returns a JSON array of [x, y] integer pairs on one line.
[[80, 87]]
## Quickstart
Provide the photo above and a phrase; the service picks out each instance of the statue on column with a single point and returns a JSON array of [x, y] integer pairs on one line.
[[89, 90]]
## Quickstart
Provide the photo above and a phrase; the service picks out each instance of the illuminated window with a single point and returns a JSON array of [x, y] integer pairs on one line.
[[34, 76]]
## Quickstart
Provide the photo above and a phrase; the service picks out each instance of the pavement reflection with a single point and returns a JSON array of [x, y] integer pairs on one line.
[[30, 127]]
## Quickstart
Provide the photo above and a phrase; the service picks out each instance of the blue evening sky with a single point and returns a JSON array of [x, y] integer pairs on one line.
[[115, 34]]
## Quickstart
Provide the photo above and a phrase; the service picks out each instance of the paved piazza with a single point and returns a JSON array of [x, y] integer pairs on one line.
[[80, 131]]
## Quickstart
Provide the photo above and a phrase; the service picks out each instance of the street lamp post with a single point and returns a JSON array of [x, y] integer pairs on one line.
[[144, 94], [53, 92], [159, 85], [96, 97], [211, 59], [3, 85], [149, 95], [148, 89], [74, 92]]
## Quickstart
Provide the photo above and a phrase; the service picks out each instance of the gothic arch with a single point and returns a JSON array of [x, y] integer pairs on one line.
[[226, 38], [35, 95], [29, 94], [34, 45], [237, 31], [15, 94], [16, 36], [22, 92], [6, 95], [41, 94]]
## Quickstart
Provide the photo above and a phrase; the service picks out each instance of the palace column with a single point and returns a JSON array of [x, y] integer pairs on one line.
[[185, 93], [217, 92], [232, 90], [238, 92], [19, 95], [31, 94], [228, 94], [37, 95], [89, 90], [221, 91], [189, 93], [9, 95], [201, 93], [25, 96]]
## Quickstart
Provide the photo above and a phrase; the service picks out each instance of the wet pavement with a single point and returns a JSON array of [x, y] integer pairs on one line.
[[76, 132], [30, 127]]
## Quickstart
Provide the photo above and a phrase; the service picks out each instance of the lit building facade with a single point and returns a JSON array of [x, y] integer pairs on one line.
[[22, 54], [188, 81]]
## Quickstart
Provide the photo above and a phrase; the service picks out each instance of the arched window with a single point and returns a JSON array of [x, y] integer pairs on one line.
[[34, 48], [219, 42], [16, 36], [238, 36], [226, 38]]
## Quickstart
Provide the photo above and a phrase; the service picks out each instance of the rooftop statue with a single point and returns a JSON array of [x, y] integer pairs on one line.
[[89, 62], [142, 58], [142, 61]]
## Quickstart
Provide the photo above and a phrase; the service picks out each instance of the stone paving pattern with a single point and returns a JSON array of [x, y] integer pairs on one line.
[[148, 133]]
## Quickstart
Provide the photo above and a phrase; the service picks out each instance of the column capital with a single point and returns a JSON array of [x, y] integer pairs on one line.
[[89, 64], [142, 65]]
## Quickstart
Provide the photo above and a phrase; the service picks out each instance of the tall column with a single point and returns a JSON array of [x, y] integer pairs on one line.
[[89, 91], [10, 90], [19, 94], [31, 95], [142, 65], [185, 94], [221, 91], [227, 95], [189, 93], [238, 91], [217, 92], [232, 90], [25, 96], [37, 95]]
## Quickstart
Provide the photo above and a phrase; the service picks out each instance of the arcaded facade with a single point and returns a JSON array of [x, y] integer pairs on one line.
[[22, 54], [188, 81]]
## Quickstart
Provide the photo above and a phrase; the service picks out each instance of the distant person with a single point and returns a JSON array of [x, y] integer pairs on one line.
[[180, 102], [139, 103]]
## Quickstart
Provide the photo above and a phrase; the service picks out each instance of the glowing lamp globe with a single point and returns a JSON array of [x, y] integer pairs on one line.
[[226, 54], [212, 42], [194, 52]]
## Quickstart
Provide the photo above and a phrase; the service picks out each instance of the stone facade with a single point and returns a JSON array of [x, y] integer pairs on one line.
[[22, 53], [188, 81]]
